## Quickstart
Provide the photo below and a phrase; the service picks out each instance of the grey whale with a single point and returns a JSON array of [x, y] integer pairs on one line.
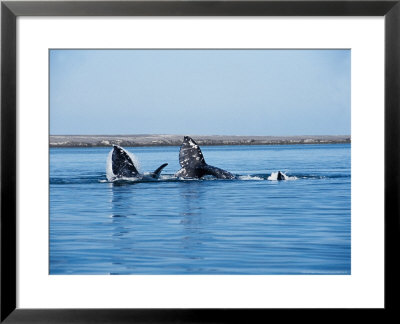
[[191, 159], [123, 166], [193, 164]]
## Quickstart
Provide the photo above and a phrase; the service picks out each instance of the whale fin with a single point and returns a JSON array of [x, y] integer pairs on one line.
[[122, 164], [157, 171], [217, 172], [193, 164], [280, 176], [190, 155]]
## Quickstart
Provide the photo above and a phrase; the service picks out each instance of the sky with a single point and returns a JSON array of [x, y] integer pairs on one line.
[[201, 92]]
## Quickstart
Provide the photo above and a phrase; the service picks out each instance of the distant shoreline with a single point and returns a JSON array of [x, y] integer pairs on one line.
[[176, 140]]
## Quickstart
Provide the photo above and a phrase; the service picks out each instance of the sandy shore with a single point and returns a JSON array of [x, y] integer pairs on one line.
[[176, 140]]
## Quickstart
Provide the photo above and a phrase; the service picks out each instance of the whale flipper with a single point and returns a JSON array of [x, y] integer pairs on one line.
[[193, 164], [217, 172], [157, 171], [122, 164]]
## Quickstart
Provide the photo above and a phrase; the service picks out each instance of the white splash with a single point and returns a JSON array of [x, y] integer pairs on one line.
[[135, 161], [249, 177], [167, 177], [110, 175]]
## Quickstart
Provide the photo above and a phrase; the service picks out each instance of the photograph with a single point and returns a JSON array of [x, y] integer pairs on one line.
[[199, 161]]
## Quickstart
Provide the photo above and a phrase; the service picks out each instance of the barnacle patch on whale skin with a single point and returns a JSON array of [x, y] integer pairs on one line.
[[190, 155]]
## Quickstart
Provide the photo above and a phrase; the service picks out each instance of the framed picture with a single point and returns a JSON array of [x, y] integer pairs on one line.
[[192, 161]]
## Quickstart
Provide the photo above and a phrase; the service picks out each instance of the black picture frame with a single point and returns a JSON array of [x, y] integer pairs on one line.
[[10, 10]]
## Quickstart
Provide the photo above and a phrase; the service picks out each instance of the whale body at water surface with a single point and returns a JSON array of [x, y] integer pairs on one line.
[[191, 159], [193, 164], [122, 166]]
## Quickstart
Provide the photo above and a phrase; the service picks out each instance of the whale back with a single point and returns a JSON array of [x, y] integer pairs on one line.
[[190, 155], [122, 164]]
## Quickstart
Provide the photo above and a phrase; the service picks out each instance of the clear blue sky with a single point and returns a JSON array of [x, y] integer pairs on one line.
[[202, 92]]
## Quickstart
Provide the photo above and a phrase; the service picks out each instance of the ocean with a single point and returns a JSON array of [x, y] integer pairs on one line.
[[252, 225]]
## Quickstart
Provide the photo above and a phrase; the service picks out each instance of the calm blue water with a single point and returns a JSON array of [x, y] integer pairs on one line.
[[246, 226]]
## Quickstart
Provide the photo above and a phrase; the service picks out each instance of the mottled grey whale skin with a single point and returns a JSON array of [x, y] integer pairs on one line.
[[123, 166], [193, 164]]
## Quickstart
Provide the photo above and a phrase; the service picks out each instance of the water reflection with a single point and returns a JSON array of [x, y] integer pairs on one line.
[[194, 221], [121, 230], [191, 195]]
